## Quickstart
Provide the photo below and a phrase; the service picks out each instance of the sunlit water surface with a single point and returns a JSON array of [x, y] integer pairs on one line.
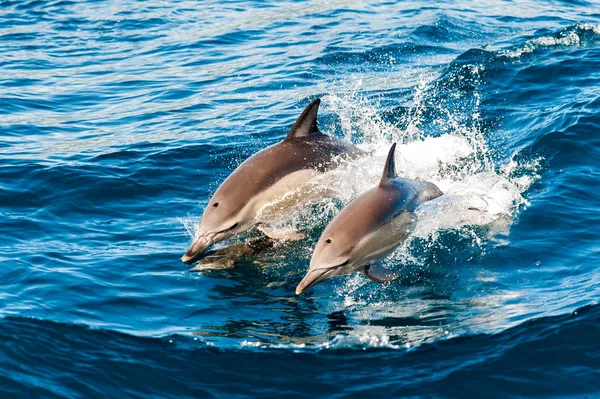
[[118, 120]]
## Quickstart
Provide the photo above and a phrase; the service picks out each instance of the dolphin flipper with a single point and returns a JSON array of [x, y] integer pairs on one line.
[[380, 274]]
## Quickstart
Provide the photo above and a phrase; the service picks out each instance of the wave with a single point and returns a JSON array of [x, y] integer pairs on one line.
[[536, 358], [575, 35]]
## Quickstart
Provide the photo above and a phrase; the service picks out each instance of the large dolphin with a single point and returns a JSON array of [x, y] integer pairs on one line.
[[266, 177], [368, 229]]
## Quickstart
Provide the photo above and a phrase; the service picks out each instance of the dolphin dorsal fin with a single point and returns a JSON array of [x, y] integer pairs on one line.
[[306, 124], [389, 170]]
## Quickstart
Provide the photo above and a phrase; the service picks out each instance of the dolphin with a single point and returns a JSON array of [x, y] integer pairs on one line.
[[265, 178], [368, 229]]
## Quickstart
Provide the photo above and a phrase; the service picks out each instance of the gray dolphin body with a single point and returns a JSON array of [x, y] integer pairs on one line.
[[267, 177], [368, 229]]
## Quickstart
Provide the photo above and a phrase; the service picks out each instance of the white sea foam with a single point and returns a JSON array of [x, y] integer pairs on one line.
[[568, 37], [361, 337], [364, 340]]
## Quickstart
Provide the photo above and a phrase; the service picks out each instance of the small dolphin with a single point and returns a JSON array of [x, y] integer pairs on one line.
[[368, 229], [266, 177]]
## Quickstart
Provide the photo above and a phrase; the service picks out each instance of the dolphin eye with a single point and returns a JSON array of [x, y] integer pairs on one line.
[[328, 241], [216, 204]]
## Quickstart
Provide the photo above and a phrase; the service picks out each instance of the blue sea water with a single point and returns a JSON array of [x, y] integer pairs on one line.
[[118, 120]]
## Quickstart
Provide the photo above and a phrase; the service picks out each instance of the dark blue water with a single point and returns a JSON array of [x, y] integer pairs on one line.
[[119, 119]]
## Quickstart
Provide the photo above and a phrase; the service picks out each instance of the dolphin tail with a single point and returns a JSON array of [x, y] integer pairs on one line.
[[380, 274], [389, 170]]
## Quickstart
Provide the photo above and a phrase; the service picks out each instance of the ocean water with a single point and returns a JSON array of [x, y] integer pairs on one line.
[[119, 119]]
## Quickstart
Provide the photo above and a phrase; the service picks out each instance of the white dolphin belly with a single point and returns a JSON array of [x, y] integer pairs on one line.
[[381, 242], [287, 194]]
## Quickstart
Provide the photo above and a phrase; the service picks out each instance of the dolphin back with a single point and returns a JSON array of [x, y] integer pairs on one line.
[[305, 135], [426, 191]]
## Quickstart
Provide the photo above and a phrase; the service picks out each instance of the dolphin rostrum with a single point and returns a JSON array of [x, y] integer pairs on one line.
[[266, 177], [368, 229]]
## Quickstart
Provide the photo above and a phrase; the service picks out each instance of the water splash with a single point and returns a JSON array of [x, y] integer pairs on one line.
[[478, 193]]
